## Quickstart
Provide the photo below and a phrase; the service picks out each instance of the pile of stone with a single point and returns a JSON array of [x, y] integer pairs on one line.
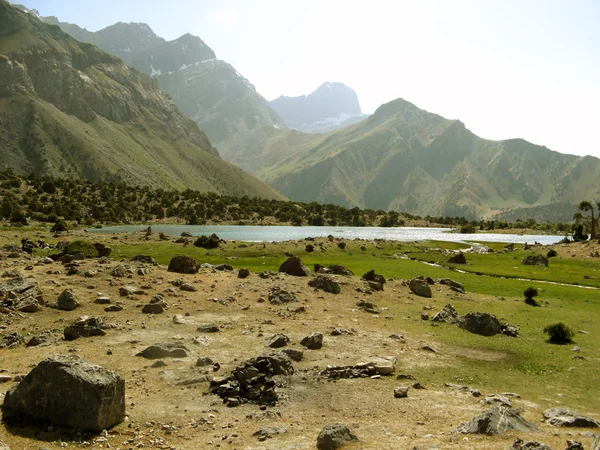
[[278, 296], [86, 327], [22, 294], [373, 367], [325, 283], [252, 382], [481, 323]]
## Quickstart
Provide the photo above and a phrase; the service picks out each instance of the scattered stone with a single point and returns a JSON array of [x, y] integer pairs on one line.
[[342, 245], [336, 269], [520, 444], [535, 260], [113, 308], [183, 264], [459, 258], [102, 300], [295, 267], [252, 382], [266, 274], [278, 296], [279, 340], [126, 291], [459, 387], [144, 260], [375, 366], [574, 445], [223, 267], [561, 417], [375, 285], [68, 391], [368, 307], [44, 338], [486, 324], [424, 316], [119, 271], [265, 433], [11, 340], [188, 287], [499, 400], [66, 301], [204, 361], [401, 392], [495, 421], [153, 308], [340, 332], [243, 273], [208, 328], [420, 287], [334, 436], [314, 341], [165, 350], [159, 363], [325, 283]]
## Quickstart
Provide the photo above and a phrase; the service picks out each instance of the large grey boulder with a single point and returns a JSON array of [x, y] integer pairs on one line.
[[314, 341], [495, 421], [295, 267], [165, 350], [420, 287], [562, 417], [481, 323], [68, 391], [334, 436], [66, 301]]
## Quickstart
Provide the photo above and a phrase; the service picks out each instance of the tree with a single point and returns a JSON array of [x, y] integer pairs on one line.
[[587, 206]]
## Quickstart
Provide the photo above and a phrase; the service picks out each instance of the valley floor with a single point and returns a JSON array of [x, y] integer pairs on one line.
[[170, 407]]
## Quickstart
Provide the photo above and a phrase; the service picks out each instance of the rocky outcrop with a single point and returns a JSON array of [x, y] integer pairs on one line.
[[325, 283], [295, 267], [561, 417], [23, 294], [486, 325], [447, 314], [183, 264], [68, 391], [497, 420], [334, 436]]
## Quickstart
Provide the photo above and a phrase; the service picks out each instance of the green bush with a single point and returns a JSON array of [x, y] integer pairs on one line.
[[559, 333], [75, 247], [551, 253], [467, 229], [59, 226], [530, 292], [211, 241]]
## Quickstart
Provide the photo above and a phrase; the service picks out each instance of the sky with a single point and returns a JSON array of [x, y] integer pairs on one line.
[[505, 68]]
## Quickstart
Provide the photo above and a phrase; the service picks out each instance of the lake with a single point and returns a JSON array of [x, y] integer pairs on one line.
[[287, 233]]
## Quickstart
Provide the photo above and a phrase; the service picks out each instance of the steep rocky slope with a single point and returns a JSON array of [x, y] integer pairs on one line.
[[67, 108], [408, 159]]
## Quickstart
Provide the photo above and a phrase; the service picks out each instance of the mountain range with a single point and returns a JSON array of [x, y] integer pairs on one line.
[[67, 108], [400, 158]]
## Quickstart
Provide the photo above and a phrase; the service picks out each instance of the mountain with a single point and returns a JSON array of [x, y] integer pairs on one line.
[[331, 106], [407, 159], [235, 117], [69, 109]]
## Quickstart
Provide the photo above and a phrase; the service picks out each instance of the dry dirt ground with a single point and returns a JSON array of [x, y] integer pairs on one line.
[[165, 415]]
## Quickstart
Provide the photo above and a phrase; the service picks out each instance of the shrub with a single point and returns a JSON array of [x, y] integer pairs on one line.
[[59, 226], [530, 292], [551, 253], [75, 247], [559, 333], [467, 229], [211, 241]]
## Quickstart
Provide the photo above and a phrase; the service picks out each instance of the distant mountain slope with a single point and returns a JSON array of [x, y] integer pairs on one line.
[[236, 118], [331, 106], [69, 109], [410, 160]]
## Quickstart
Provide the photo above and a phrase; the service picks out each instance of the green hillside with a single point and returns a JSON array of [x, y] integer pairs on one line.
[[410, 160], [69, 109]]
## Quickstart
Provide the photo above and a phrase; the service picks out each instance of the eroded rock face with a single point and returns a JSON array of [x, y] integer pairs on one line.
[[68, 391], [497, 420]]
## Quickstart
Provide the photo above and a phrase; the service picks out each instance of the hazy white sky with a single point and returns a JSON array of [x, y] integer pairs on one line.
[[506, 68]]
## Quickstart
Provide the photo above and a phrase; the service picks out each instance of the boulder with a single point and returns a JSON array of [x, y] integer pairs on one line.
[[447, 314], [454, 285], [103, 250], [401, 392], [208, 328], [535, 260], [66, 301], [336, 269], [561, 417], [481, 323], [294, 355], [495, 421], [165, 350], [383, 365], [85, 327], [325, 283], [153, 308], [372, 276], [375, 285], [144, 259], [420, 287], [314, 341], [25, 293], [68, 391], [243, 273], [459, 258], [279, 340], [119, 271], [295, 267], [223, 267], [183, 264], [334, 436]]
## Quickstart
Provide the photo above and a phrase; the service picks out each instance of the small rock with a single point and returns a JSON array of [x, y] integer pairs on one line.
[[313, 341], [401, 392]]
